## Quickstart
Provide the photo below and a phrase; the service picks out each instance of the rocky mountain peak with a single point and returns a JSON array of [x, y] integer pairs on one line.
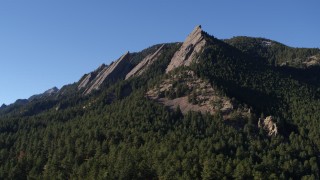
[[117, 69], [193, 45], [196, 30]]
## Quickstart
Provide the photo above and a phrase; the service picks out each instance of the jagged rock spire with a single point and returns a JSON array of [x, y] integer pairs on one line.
[[193, 44], [145, 63], [117, 69]]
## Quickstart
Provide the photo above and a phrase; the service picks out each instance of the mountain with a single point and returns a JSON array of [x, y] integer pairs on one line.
[[276, 53], [145, 63], [47, 93], [3, 106], [205, 108], [190, 47], [115, 70]]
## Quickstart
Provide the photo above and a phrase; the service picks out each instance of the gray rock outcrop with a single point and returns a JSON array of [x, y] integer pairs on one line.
[[193, 45], [89, 77], [145, 63], [115, 70], [268, 125], [312, 61]]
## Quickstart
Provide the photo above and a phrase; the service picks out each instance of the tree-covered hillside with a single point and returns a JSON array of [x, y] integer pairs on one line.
[[273, 52], [117, 132]]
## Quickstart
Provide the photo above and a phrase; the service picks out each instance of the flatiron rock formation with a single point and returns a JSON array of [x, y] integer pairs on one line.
[[145, 63], [117, 69], [192, 45]]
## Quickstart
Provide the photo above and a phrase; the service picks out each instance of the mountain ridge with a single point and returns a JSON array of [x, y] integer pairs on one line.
[[313, 60], [204, 108], [191, 47]]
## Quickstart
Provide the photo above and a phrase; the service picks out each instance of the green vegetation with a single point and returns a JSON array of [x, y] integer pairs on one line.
[[271, 51], [117, 133]]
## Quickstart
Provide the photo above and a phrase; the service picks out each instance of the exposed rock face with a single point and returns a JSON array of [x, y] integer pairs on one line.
[[268, 125], [145, 63], [266, 43], [194, 95], [192, 45], [86, 80], [115, 70], [89, 77], [312, 61]]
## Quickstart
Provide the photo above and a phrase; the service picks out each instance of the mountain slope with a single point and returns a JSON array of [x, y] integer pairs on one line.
[[263, 87], [276, 53], [202, 109]]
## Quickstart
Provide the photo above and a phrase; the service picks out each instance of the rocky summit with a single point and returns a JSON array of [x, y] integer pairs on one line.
[[192, 46], [183, 110]]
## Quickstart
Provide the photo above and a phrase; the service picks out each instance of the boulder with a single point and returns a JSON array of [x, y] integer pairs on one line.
[[269, 125]]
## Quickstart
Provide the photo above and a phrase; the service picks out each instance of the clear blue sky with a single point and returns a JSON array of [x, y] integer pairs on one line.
[[54, 42]]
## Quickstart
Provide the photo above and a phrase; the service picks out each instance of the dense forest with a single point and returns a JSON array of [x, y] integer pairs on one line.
[[117, 132]]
